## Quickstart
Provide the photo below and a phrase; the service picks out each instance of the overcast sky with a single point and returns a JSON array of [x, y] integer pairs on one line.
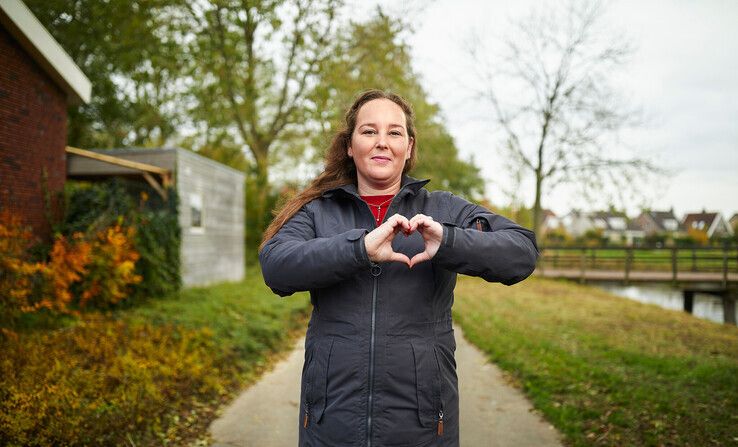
[[683, 75]]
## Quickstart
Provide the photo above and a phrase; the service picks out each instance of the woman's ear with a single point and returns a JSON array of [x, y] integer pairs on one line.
[[410, 148], [350, 152]]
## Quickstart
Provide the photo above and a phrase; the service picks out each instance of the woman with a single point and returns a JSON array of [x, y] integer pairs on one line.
[[379, 352]]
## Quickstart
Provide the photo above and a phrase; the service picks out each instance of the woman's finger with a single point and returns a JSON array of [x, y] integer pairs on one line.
[[400, 258], [420, 257]]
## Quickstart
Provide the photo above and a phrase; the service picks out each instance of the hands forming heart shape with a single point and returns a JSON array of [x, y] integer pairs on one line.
[[379, 241]]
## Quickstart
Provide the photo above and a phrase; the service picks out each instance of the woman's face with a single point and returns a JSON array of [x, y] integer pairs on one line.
[[380, 143]]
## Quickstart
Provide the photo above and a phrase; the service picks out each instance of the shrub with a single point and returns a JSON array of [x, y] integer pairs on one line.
[[18, 276], [78, 273], [104, 381], [93, 206], [111, 268]]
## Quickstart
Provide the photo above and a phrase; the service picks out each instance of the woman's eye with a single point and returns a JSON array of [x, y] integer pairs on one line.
[[396, 133], [368, 132]]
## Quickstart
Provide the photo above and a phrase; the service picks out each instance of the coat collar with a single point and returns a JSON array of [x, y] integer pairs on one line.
[[408, 185]]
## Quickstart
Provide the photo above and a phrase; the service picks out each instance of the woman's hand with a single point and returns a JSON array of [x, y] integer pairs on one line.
[[432, 233], [379, 241]]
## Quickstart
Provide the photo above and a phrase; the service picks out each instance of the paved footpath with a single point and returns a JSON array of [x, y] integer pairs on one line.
[[493, 413]]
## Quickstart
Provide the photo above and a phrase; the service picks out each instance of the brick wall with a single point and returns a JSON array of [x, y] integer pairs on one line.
[[33, 126]]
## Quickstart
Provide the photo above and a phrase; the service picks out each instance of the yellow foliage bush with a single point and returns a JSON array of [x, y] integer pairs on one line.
[[18, 277], [111, 268], [79, 271], [699, 236], [102, 380]]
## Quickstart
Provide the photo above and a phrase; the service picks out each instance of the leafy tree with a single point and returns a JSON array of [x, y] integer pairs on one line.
[[129, 51], [254, 66]]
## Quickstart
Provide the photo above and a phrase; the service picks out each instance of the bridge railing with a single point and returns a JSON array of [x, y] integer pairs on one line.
[[628, 259]]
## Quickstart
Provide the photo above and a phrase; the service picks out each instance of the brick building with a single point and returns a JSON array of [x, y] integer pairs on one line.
[[38, 80]]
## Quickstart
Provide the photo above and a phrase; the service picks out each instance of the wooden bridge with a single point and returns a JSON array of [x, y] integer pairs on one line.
[[693, 269]]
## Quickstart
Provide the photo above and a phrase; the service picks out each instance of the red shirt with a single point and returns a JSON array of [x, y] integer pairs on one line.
[[378, 205]]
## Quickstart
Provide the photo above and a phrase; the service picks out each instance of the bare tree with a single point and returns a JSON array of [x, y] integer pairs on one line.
[[552, 98]]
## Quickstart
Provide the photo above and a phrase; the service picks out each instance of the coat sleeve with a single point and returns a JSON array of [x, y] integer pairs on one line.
[[478, 242], [296, 260]]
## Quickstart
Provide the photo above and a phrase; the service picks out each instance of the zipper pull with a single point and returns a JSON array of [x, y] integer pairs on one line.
[[440, 423], [305, 422]]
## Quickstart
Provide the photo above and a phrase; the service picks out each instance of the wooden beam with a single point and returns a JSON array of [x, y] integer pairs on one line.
[[154, 184], [118, 161]]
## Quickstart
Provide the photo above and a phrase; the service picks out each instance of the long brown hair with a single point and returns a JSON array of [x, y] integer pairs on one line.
[[339, 167]]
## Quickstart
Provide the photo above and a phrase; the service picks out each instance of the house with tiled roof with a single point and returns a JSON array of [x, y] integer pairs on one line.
[[617, 227], [659, 222], [712, 224], [614, 225], [733, 221], [576, 222]]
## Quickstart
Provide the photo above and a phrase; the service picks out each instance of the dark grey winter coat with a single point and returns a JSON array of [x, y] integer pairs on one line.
[[379, 354]]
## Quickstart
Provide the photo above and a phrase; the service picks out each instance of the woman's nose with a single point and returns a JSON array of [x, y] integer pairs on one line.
[[382, 141]]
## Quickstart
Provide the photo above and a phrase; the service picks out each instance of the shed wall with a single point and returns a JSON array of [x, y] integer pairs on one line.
[[215, 251]]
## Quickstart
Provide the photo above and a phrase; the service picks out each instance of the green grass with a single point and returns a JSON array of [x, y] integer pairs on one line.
[[245, 316], [606, 370]]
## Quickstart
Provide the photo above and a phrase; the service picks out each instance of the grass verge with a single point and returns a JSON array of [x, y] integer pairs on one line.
[[606, 370], [150, 375]]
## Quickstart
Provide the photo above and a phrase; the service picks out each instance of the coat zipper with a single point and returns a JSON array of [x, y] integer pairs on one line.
[[376, 271]]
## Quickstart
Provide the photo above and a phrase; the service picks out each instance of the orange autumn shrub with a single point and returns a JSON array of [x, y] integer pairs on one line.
[[111, 269], [80, 272], [66, 266], [19, 278]]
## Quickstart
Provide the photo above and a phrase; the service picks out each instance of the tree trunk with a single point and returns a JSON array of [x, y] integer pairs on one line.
[[537, 211], [263, 214]]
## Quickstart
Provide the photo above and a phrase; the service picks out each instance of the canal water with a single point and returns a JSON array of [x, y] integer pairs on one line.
[[709, 307]]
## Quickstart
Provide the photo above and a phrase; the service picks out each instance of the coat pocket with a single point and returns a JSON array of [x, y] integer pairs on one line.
[[316, 374], [428, 383]]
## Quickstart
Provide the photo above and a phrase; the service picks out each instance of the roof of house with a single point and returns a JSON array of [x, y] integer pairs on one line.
[[693, 220], [45, 50], [665, 220], [613, 221]]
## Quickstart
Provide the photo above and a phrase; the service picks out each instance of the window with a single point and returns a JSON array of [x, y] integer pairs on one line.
[[195, 210], [617, 223]]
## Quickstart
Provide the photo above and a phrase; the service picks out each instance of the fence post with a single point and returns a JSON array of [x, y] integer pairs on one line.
[[729, 298], [673, 265], [582, 262], [725, 267], [694, 259], [628, 255], [542, 261]]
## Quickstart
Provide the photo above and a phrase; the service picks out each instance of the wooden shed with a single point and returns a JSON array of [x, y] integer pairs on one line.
[[211, 203]]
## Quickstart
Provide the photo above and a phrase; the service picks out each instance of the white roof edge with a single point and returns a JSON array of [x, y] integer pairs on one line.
[[45, 50]]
